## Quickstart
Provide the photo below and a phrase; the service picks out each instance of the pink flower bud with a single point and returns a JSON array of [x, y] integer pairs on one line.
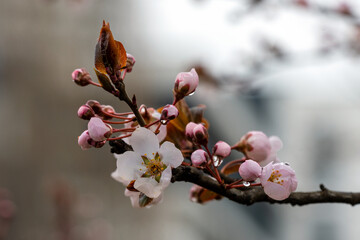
[[97, 144], [254, 145], [84, 139], [189, 130], [278, 180], [250, 170], [130, 62], [198, 157], [81, 77], [169, 112], [185, 83], [200, 134], [222, 149], [85, 112], [98, 130]]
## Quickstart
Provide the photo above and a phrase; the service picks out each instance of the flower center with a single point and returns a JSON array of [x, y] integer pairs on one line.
[[154, 166], [276, 177]]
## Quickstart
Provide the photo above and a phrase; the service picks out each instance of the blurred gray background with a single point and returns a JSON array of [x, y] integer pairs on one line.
[[283, 67]]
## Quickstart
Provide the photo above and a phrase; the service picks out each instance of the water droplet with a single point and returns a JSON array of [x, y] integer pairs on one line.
[[192, 93], [246, 184], [217, 161], [163, 122]]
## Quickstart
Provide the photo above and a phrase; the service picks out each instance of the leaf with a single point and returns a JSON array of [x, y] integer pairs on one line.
[[109, 53], [104, 81]]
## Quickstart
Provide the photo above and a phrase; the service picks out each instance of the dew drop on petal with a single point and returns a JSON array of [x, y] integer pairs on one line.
[[246, 184]]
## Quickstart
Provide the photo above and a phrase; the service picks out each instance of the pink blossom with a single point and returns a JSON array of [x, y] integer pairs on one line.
[[85, 112], [255, 145], [198, 157], [278, 180], [250, 170], [169, 112], [186, 83], [222, 149], [83, 140], [276, 145], [98, 130]]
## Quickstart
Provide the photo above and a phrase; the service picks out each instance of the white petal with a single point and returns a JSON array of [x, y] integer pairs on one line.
[[148, 186], [170, 154], [166, 177], [134, 198], [144, 141], [129, 166]]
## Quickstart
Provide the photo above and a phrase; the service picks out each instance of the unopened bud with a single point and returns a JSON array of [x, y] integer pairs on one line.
[[222, 149], [185, 84], [189, 130], [250, 170], [255, 145], [200, 134], [98, 130], [198, 157], [169, 112], [81, 77], [130, 62], [97, 144], [85, 112], [84, 140]]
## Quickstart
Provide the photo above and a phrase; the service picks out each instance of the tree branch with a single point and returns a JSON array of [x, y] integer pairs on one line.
[[249, 196]]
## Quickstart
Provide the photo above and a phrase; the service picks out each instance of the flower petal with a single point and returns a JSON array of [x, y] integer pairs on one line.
[[128, 167], [144, 141], [170, 154], [148, 186], [166, 177], [276, 191]]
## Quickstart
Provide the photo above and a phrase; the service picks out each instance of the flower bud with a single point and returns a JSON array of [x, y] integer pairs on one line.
[[81, 77], [254, 145], [95, 105], [185, 83], [200, 134], [85, 112], [130, 62], [169, 112], [189, 130], [250, 170], [97, 144], [84, 139], [198, 157], [221, 149], [98, 130]]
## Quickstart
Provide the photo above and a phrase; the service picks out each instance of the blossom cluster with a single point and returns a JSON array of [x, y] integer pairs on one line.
[[173, 135]]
